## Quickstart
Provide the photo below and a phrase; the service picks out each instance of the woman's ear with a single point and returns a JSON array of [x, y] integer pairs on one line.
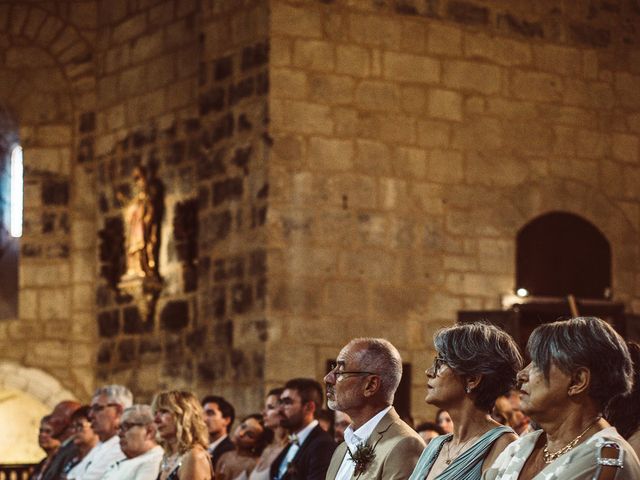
[[580, 381], [472, 382]]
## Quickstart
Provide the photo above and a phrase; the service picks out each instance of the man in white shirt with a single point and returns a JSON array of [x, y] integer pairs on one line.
[[107, 405], [138, 442], [362, 384]]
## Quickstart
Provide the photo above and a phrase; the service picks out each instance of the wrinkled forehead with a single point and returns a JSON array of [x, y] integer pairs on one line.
[[350, 355]]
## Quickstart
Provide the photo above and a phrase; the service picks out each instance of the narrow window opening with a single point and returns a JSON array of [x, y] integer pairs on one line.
[[16, 195]]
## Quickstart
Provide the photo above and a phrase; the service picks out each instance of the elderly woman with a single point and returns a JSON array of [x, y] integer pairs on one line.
[[183, 434], [49, 443], [474, 364], [624, 412], [576, 367]]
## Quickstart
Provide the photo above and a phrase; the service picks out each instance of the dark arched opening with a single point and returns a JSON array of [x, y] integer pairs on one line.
[[560, 254]]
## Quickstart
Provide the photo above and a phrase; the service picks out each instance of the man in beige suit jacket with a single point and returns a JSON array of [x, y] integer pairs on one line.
[[378, 444]]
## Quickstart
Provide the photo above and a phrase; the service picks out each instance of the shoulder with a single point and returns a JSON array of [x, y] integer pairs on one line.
[[499, 445], [195, 455]]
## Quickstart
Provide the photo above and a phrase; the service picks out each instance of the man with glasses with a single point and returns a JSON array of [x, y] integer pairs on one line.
[[138, 442], [362, 383], [107, 405], [310, 448]]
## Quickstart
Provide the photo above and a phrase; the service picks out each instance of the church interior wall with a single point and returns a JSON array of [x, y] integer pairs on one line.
[[328, 169]]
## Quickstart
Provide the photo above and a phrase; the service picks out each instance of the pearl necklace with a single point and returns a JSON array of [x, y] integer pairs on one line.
[[549, 457]]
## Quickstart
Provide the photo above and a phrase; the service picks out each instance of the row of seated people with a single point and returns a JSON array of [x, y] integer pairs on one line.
[[557, 423]]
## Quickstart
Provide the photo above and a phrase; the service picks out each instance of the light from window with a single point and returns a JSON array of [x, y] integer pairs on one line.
[[16, 192]]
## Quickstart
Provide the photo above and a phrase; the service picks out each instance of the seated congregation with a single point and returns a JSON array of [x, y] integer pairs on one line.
[[571, 413]]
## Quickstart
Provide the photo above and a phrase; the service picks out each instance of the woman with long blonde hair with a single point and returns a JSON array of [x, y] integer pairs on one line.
[[183, 435]]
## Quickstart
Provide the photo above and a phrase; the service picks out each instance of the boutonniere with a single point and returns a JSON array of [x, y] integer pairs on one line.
[[362, 457]]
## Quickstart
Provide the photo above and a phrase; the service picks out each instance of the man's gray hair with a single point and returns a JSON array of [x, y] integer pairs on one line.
[[139, 413], [116, 394], [382, 358]]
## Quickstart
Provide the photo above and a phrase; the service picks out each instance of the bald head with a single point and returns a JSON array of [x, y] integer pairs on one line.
[[60, 418]]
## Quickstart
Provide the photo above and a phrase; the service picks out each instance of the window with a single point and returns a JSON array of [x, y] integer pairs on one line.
[[16, 195]]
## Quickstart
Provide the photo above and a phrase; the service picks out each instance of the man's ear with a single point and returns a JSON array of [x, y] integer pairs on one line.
[[580, 381], [309, 407], [372, 386]]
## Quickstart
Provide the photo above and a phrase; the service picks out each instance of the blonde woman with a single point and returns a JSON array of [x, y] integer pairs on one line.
[[183, 435]]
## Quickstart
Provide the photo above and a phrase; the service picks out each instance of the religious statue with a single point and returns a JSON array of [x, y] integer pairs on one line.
[[142, 215], [141, 228]]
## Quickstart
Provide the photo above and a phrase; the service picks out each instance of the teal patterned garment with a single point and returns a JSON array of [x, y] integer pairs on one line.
[[466, 466]]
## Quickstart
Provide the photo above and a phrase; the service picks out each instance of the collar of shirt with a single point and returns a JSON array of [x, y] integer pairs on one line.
[[304, 433], [354, 438], [213, 445]]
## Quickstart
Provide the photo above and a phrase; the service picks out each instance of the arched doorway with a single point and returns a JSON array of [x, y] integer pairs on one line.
[[560, 254], [26, 395]]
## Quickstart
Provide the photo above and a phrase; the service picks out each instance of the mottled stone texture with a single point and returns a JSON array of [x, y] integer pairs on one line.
[[411, 142], [330, 169]]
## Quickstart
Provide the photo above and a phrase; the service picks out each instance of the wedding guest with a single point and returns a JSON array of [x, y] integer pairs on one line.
[[576, 367], [362, 383], [250, 439], [219, 415], [279, 438], [474, 364], [106, 409], [443, 420], [342, 421], [308, 454], [138, 442], [61, 419], [84, 438], [428, 431], [47, 442], [624, 411], [183, 434]]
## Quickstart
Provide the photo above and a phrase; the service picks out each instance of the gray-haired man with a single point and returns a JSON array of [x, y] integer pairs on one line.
[[362, 384], [137, 441], [107, 405]]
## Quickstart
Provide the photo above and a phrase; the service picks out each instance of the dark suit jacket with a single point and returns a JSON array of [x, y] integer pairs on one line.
[[64, 455], [312, 460], [224, 446]]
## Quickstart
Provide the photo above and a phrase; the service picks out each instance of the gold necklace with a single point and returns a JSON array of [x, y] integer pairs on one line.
[[448, 460], [549, 457]]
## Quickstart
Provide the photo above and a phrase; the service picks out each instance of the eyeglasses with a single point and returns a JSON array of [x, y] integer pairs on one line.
[[345, 374], [438, 361], [126, 426], [96, 407]]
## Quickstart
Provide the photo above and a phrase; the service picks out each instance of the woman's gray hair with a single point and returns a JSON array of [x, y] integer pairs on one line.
[[481, 349], [382, 358], [116, 394], [585, 342], [139, 413]]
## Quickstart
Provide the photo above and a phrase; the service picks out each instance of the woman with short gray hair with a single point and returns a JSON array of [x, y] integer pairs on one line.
[[577, 367], [475, 363]]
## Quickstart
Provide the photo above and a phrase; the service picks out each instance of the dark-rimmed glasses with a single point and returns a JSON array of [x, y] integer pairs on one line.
[[343, 374], [126, 426], [96, 407], [438, 361]]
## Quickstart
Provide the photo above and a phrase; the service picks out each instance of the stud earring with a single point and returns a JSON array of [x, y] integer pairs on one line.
[[467, 389]]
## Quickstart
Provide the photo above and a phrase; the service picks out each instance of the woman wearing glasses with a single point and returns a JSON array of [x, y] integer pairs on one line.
[[475, 363], [577, 367], [183, 435]]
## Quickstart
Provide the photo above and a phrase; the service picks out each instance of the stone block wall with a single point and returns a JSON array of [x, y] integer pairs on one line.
[[47, 78], [412, 140], [183, 90]]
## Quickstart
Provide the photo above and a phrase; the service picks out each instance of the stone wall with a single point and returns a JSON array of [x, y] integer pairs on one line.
[[412, 140], [47, 78], [183, 92]]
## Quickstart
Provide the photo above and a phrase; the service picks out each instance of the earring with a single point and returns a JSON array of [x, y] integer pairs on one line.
[[467, 389]]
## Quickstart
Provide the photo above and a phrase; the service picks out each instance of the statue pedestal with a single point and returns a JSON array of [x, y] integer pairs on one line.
[[144, 291]]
